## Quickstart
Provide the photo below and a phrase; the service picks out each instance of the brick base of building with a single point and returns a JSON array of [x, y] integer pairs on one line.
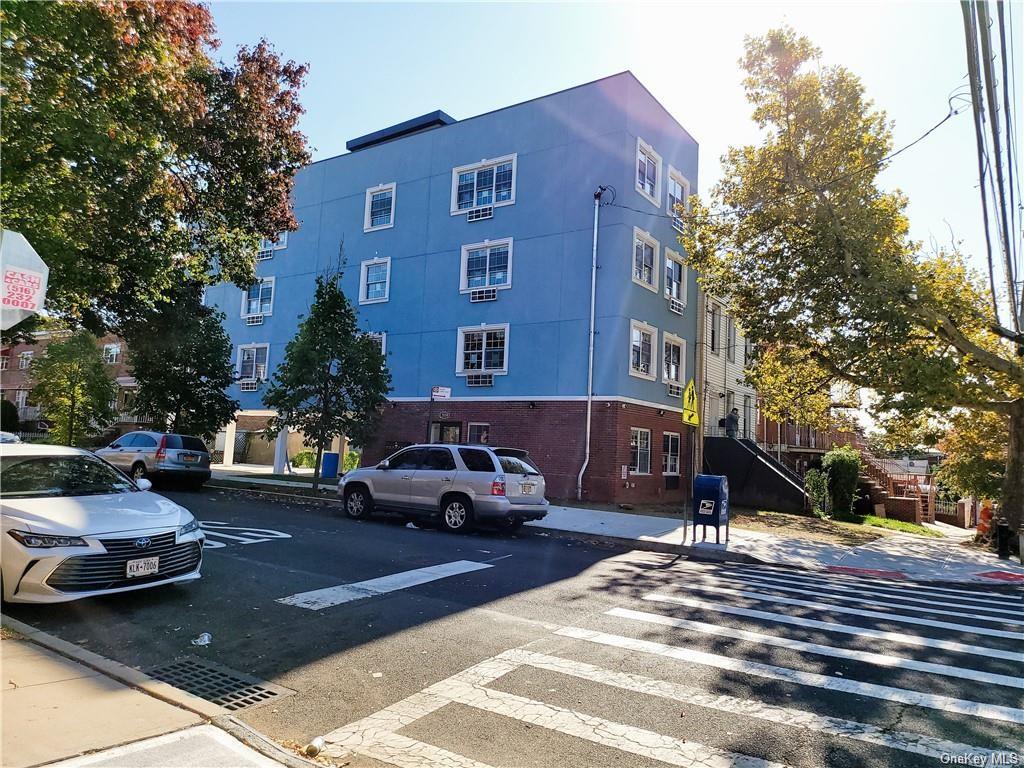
[[554, 432]]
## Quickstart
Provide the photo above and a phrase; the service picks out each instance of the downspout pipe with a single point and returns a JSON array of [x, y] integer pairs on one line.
[[590, 346]]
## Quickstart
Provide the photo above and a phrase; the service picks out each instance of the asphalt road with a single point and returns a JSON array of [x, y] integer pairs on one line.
[[530, 650]]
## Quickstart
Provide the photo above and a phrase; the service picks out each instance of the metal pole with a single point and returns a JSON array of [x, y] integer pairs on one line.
[[590, 350], [430, 414]]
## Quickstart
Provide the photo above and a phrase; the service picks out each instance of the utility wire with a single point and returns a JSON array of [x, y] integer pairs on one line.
[[1013, 173]]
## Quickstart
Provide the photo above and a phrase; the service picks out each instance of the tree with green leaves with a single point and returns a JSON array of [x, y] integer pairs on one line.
[[131, 155], [72, 387], [180, 356], [333, 380], [817, 260], [975, 454]]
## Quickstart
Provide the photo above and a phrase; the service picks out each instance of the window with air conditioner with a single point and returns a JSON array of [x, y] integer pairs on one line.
[[676, 275], [678, 197], [486, 184], [252, 362], [259, 299], [379, 212], [645, 258], [639, 451], [648, 172], [269, 246], [483, 350], [641, 353], [486, 265], [375, 281]]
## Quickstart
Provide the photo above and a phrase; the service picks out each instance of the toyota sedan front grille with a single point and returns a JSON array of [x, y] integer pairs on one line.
[[109, 571]]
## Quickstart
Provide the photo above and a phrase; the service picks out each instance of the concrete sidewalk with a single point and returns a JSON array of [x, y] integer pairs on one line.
[[56, 708], [900, 556]]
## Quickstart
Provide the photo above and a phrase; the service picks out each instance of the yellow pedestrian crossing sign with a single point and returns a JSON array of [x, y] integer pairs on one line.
[[690, 415]]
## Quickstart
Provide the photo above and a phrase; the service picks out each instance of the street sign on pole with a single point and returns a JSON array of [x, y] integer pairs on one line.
[[441, 393], [23, 284], [690, 415]]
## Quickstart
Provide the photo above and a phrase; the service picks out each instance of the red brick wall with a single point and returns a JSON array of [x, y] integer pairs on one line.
[[554, 434], [902, 508]]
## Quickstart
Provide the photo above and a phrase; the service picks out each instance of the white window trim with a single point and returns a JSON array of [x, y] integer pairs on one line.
[[383, 341], [280, 245], [715, 329], [461, 336], [679, 456], [657, 265], [454, 203], [363, 268], [684, 182], [393, 186], [117, 355], [463, 274], [650, 449], [639, 324], [684, 290], [470, 425], [273, 296], [731, 344], [643, 146], [667, 337], [238, 361], [24, 360]]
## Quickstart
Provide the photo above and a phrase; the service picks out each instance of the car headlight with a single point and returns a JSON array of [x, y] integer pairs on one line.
[[189, 527], [44, 540]]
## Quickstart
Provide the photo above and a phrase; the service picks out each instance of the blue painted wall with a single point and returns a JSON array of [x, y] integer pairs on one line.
[[566, 144]]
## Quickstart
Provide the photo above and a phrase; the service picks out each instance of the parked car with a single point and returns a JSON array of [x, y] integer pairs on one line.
[[157, 454], [458, 485], [75, 527], [9, 437]]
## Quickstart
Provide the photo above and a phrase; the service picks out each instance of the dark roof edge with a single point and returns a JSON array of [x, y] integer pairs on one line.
[[433, 119]]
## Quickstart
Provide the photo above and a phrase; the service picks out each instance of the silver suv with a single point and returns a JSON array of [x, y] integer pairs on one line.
[[459, 485], [156, 454]]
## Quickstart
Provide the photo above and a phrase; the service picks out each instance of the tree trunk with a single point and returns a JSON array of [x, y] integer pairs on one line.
[[316, 465], [1012, 506]]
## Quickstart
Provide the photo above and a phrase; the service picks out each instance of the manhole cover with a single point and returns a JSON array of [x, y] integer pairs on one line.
[[216, 683]]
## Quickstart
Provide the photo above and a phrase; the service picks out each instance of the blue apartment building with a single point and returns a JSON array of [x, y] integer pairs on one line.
[[467, 248]]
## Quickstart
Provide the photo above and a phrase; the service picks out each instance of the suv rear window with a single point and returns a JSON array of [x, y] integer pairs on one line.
[[476, 460], [190, 443], [172, 441], [514, 465]]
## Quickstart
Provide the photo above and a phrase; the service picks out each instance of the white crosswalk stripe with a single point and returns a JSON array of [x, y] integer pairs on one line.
[[380, 737]]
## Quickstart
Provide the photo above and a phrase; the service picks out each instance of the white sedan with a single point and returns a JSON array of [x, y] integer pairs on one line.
[[75, 527]]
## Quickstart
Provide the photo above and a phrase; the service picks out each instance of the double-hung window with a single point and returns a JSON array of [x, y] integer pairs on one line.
[[259, 299], [487, 183], [678, 197], [715, 332], [252, 362], [670, 453], [483, 349], [645, 259], [674, 362], [111, 353], [675, 278], [730, 339], [4, 361], [379, 212], [487, 265], [24, 360], [375, 281], [639, 451], [269, 246], [641, 350], [648, 171]]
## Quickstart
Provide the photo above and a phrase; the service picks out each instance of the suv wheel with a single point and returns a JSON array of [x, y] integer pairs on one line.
[[358, 503], [138, 471], [457, 514]]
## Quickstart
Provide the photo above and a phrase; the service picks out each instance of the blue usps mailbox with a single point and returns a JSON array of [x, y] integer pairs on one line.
[[711, 504]]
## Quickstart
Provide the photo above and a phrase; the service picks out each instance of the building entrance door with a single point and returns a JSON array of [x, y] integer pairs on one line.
[[446, 432]]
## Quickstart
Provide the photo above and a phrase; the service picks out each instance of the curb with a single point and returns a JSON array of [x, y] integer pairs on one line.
[[118, 671], [261, 743]]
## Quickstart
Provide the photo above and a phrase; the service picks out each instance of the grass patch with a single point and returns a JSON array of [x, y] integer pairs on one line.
[[886, 522]]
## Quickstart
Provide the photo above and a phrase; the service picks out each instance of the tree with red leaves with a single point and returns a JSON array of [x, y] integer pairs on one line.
[[133, 160]]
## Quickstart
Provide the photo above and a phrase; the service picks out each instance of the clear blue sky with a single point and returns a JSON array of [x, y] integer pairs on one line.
[[373, 65]]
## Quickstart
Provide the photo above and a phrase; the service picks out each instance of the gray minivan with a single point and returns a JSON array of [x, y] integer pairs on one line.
[[458, 485], [158, 454]]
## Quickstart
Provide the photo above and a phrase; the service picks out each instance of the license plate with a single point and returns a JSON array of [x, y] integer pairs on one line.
[[143, 566], [527, 488], [190, 458]]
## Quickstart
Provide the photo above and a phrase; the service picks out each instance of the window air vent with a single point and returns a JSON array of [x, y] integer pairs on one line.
[[249, 386], [254, 320], [480, 380], [478, 214], [484, 294], [675, 305], [674, 390]]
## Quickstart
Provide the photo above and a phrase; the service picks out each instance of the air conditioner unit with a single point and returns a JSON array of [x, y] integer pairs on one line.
[[249, 386], [480, 380], [675, 305], [254, 320], [264, 255], [479, 214], [484, 294], [674, 390]]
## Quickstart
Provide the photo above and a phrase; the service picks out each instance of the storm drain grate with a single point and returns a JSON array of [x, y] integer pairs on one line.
[[218, 684]]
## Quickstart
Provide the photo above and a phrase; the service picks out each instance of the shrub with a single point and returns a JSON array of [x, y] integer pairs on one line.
[[352, 459], [8, 416], [842, 466], [816, 486], [304, 459]]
